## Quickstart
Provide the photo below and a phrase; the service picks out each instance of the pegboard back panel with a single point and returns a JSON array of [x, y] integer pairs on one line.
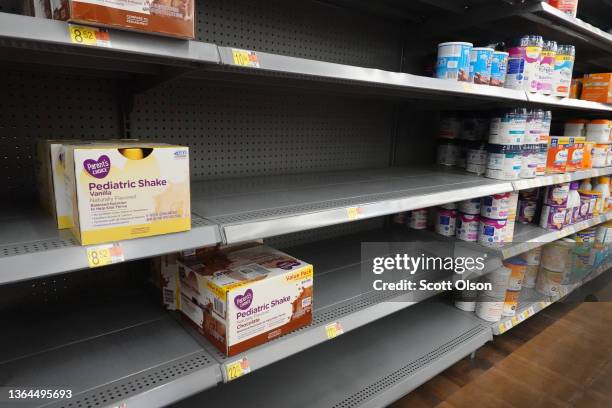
[[306, 29], [37, 105], [9, 6], [233, 132]]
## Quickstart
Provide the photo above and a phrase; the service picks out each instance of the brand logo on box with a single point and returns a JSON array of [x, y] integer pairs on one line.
[[179, 154], [98, 168], [287, 265], [244, 301]]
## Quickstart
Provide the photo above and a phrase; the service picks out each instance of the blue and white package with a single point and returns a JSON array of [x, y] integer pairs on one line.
[[454, 61], [480, 65]]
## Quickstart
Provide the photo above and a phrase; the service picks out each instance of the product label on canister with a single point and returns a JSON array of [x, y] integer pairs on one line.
[[547, 67], [418, 219], [467, 227], [508, 130], [532, 68], [453, 61], [480, 66], [533, 130], [446, 222], [514, 73], [562, 75], [477, 156], [491, 232], [499, 63]]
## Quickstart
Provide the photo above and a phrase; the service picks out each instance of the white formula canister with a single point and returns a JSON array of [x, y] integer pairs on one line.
[[548, 282], [467, 227], [533, 256], [495, 206], [598, 131], [541, 157], [418, 219], [557, 194], [557, 256], [508, 128], [449, 153], [510, 302], [529, 161], [504, 161], [446, 222], [499, 283], [471, 206], [479, 169], [531, 274], [491, 232], [489, 309]]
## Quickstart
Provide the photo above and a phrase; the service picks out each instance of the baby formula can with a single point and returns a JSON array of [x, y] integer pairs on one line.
[[495, 206], [499, 64], [553, 217], [499, 283], [557, 256], [575, 154], [510, 302], [480, 65], [476, 158], [449, 126], [533, 256], [516, 67], [529, 161], [526, 211], [599, 154], [454, 61], [491, 232], [508, 127], [418, 219], [557, 194], [556, 161], [467, 227], [548, 282], [546, 122], [517, 267], [448, 152], [471, 206], [446, 222], [532, 50], [489, 309], [547, 67], [504, 161], [564, 66], [533, 126], [531, 274], [541, 157]]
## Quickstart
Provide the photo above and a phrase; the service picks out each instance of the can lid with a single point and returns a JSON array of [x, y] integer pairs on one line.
[[603, 180], [599, 122], [500, 148], [483, 49], [456, 43]]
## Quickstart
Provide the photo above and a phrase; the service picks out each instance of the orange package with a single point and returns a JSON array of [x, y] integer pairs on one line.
[[587, 157], [575, 153], [556, 161], [597, 87], [576, 88]]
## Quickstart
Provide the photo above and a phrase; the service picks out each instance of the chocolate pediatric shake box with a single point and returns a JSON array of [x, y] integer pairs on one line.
[[239, 298]]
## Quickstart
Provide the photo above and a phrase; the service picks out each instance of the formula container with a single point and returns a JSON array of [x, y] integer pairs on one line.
[[467, 227], [495, 206], [564, 65], [557, 256], [449, 152], [449, 127], [553, 217], [598, 131], [499, 283], [510, 302], [587, 158], [529, 48], [504, 161], [471, 206], [400, 218], [480, 65], [529, 161], [599, 155], [499, 64], [418, 219], [508, 127], [446, 222], [556, 194], [526, 211], [489, 309], [575, 154], [454, 61], [556, 161], [533, 126], [533, 256], [588, 202], [541, 158], [548, 282], [547, 67], [491, 232], [575, 127], [517, 267], [546, 123], [531, 274], [569, 7]]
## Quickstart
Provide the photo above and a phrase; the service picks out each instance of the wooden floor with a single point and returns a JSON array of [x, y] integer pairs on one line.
[[561, 357]]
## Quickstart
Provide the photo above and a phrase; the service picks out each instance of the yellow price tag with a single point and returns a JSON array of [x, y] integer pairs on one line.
[[525, 314], [333, 330], [237, 369], [514, 320], [106, 254], [91, 36], [467, 87], [245, 58], [502, 328], [354, 212]]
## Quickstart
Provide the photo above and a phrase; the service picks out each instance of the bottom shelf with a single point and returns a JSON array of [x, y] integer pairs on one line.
[[369, 367]]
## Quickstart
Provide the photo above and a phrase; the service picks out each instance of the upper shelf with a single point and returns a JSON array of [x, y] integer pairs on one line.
[[35, 40]]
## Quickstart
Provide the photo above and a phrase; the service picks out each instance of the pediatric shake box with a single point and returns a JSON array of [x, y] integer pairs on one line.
[[173, 18], [239, 298], [597, 87], [127, 190]]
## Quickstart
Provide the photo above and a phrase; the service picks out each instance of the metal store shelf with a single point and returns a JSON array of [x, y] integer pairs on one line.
[[532, 302], [340, 294], [31, 246], [529, 236], [370, 367], [547, 180], [568, 103], [125, 349], [260, 207], [38, 35]]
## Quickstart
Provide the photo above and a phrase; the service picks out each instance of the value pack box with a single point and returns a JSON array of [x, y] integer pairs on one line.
[[597, 87], [174, 18], [239, 298], [127, 190]]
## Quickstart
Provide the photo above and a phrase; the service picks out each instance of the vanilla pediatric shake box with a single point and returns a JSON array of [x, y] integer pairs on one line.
[[127, 190], [243, 297]]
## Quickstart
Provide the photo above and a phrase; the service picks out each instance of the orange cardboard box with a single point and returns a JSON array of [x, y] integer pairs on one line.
[[173, 18], [597, 87]]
